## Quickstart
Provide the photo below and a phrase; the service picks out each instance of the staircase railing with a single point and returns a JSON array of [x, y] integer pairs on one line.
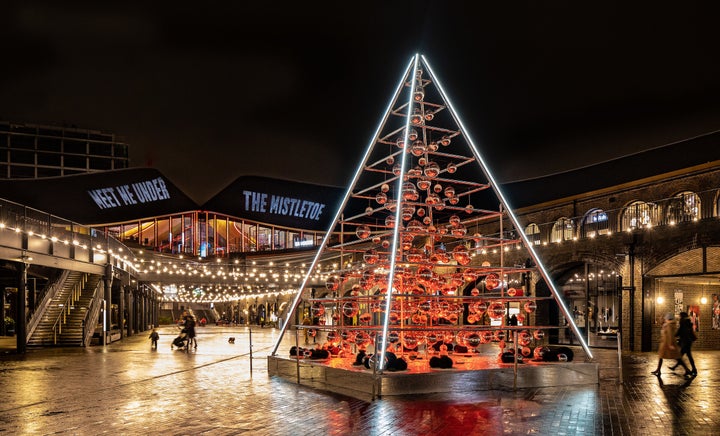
[[67, 305], [45, 303], [91, 316]]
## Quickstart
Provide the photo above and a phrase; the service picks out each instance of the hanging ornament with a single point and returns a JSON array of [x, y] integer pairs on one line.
[[409, 192], [432, 199], [408, 211], [486, 336], [415, 255], [417, 117], [469, 275], [414, 227], [363, 232], [530, 306], [317, 310], [371, 257], [461, 255], [496, 310], [418, 148], [432, 170], [332, 283], [524, 338], [472, 340], [350, 309], [491, 281]]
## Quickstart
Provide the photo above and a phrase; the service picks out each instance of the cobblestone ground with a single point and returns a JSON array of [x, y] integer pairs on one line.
[[127, 388]]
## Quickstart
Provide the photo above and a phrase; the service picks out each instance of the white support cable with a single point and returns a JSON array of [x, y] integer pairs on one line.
[[380, 364], [340, 209], [511, 214]]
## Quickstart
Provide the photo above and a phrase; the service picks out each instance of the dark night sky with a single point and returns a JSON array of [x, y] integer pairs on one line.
[[209, 92]]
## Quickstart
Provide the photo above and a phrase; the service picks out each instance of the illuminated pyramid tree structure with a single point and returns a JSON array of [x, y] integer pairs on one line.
[[412, 217]]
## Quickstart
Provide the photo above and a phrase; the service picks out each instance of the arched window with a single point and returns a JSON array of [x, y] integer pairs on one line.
[[533, 233], [595, 223], [685, 206], [639, 214], [563, 230]]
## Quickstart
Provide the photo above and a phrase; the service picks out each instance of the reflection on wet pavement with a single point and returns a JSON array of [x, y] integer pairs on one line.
[[128, 388]]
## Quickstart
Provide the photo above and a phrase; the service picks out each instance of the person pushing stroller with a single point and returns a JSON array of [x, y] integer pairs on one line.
[[181, 341], [187, 333]]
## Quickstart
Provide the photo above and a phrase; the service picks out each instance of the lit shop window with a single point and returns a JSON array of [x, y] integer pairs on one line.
[[639, 215], [685, 206], [563, 230], [533, 233], [595, 223]]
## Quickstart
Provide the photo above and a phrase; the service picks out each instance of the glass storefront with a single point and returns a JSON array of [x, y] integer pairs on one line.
[[205, 234], [593, 297]]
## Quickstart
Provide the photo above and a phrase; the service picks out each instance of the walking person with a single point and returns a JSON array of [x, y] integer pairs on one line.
[[686, 336], [154, 336], [307, 321], [190, 328], [668, 349]]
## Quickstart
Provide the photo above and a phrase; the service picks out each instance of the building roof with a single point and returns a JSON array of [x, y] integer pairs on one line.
[[281, 202], [649, 163], [138, 193], [101, 197]]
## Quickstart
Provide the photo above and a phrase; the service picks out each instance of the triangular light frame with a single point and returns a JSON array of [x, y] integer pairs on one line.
[[403, 237]]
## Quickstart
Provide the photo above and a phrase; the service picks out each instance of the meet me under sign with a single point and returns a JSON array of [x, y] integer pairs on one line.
[[146, 191]]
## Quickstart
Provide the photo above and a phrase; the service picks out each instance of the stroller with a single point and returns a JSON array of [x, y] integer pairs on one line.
[[181, 341]]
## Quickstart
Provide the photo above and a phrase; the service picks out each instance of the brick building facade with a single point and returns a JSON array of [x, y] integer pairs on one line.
[[629, 240]]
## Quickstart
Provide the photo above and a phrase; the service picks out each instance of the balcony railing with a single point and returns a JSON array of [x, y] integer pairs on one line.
[[636, 216], [32, 231]]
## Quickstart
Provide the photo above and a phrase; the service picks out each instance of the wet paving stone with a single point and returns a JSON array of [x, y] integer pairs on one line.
[[128, 388]]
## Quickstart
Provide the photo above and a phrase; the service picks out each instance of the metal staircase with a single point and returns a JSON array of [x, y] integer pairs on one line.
[[62, 323]]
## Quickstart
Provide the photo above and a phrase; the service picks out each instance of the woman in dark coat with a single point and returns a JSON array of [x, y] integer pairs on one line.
[[686, 336]]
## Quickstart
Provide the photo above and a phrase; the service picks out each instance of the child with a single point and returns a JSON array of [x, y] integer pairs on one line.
[[154, 336]]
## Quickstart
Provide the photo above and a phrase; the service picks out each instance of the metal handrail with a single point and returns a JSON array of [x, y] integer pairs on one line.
[[72, 297], [44, 304], [637, 216], [100, 248], [90, 315]]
